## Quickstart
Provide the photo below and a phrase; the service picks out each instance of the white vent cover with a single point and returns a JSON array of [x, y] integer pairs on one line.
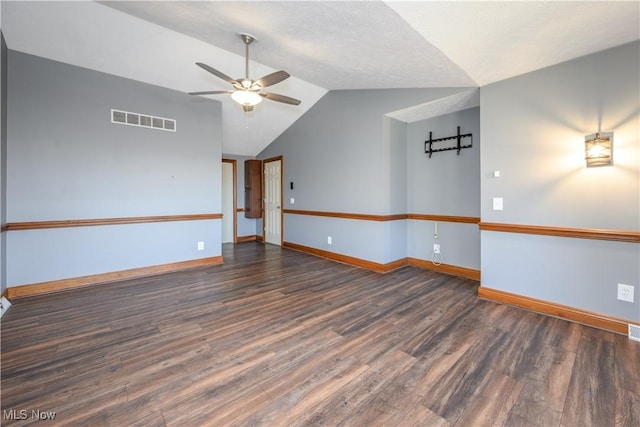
[[142, 120], [4, 306], [634, 332]]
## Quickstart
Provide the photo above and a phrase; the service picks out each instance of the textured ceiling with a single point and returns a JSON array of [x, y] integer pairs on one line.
[[325, 45], [335, 45]]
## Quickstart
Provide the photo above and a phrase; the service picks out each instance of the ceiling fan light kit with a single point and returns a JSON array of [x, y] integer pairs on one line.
[[246, 92], [246, 97]]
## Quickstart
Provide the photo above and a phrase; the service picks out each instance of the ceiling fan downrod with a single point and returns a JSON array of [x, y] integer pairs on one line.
[[247, 39]]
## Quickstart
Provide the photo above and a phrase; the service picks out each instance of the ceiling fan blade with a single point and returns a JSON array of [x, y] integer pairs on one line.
[[210, 92], [280, 98], [216, 73], [273, 78]]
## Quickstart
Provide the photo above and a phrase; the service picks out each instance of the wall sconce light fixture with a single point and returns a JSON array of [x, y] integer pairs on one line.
[[599, 149]]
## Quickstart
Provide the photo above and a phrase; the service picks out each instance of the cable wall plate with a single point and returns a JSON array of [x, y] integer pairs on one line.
[[142, 120]]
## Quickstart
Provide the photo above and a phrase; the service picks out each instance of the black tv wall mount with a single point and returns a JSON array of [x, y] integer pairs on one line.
[[428, 145]]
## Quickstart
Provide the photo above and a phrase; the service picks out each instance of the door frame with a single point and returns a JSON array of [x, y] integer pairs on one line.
[[235, 197], [264, 212]]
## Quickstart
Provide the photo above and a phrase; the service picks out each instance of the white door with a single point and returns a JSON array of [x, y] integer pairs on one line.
[[228, 208], [273, 202]]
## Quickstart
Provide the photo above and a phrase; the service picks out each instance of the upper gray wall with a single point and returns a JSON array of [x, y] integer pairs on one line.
[[336, 152], [446, 183], [69, 161], [533, 130], [66, 160], [535, 126], [394, 146], [3, 159]]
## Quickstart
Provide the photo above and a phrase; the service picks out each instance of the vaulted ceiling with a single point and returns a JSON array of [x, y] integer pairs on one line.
[[324, 45]]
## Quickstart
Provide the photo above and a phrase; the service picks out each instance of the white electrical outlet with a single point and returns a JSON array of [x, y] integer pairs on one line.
[[329, 240], [625, 292], [436, 248], [201, 246]]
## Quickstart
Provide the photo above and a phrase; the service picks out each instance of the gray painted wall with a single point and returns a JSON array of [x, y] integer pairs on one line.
[[3, 159], [445, 184], [345, 156], [66, 160], [337, 153], [394, 146], [533, 128]]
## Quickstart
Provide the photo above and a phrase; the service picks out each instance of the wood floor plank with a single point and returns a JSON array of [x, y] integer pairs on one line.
[[627, 408], [453, 391], [154, 419], [541, 401], [410, 415], [85, 380], [405, 393], [627, 385], [267, 382], [627, 363], [360, 392], [492, 403], [591, 394], [301, 399], [278, 337]]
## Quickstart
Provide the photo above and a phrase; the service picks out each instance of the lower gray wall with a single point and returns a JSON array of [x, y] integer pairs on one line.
[[66, 161], [355, 238], [533, 128], [62, 253]]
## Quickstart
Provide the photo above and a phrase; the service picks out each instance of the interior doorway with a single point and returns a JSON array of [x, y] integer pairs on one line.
[[272, 220], [229, 203]]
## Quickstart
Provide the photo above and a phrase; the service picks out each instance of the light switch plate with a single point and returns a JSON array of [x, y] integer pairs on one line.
[[497, 204]]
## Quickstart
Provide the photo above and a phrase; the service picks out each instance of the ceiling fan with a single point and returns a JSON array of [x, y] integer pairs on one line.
[[247, 92]]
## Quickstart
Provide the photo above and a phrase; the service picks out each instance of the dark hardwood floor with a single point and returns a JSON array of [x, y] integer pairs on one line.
[[275, 337]]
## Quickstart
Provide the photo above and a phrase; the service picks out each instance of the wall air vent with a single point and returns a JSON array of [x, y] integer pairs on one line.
[[634, 332], [4, 306], [142, 120]]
